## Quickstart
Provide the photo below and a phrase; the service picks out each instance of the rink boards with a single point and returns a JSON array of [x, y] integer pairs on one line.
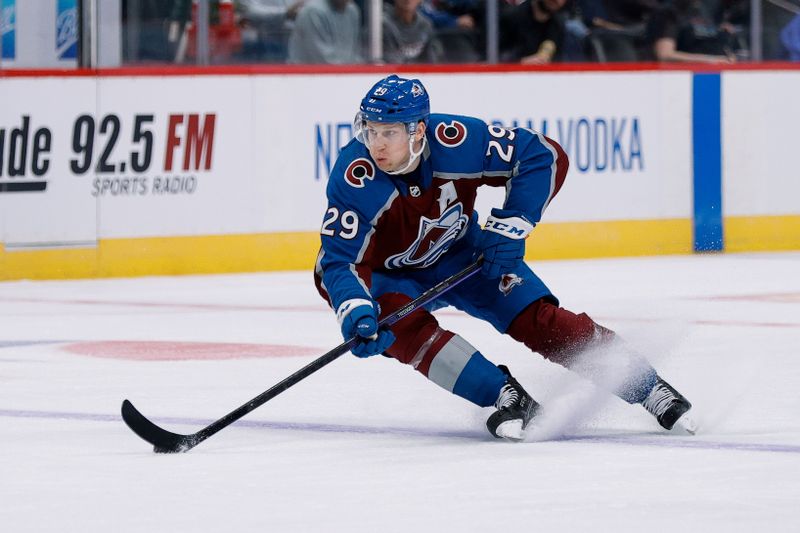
[[225, 170]]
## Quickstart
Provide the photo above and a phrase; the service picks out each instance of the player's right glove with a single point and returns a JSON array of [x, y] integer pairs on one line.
[[503, 242], [359, 318]]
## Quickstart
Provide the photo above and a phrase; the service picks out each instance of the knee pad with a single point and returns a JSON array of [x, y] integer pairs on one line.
[[418, 335], [458, 367], [440, 355]]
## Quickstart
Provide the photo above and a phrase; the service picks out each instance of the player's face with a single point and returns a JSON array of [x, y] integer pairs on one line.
[[388, 145]]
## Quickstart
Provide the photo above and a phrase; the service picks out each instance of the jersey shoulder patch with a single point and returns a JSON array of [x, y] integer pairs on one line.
[[359, 171], [356, 182], [450, 134], [452, 131], [457, 144]]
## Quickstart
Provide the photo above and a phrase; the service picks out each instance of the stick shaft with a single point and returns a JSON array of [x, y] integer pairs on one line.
[[165, 441], [422, 300]]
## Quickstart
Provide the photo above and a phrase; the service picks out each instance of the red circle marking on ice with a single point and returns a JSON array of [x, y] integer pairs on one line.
[[183, 351]]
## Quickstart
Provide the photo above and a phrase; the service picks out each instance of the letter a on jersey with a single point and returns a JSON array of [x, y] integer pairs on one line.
[[447, 196]]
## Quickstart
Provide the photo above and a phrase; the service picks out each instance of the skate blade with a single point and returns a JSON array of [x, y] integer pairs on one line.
[[511, 430], [686, 423]]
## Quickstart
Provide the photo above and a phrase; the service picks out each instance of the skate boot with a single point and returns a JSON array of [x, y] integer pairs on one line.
[[515, 408], [669, 407]]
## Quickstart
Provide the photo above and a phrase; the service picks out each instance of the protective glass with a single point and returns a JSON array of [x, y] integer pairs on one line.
[[393, 134]]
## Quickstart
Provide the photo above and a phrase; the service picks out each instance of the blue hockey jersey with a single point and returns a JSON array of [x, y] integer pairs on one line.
[[379, 222]]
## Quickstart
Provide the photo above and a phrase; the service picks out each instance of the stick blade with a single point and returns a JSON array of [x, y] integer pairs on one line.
[[163, 441]]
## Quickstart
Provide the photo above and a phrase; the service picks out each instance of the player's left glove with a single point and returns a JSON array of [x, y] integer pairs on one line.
[[502, 242], [359, 318]]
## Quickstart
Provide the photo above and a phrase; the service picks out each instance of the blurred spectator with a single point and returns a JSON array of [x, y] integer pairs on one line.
[[408, 37], [733, 17], [327, 31], [450, 13], [617, 27], [733, 12], [790, 38], [576, 34], [776, 15], [224, 34], [266, 26], [457, 27], [685, 31], [530, 33], [618, 14]]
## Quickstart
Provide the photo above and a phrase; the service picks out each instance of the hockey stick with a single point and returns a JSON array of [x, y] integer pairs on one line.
[[164, 441]]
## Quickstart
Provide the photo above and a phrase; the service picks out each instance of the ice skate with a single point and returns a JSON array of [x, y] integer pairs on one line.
[[515, 408], [670, 407]]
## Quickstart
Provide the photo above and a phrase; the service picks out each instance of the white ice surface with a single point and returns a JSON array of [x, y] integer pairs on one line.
[[370, 445]]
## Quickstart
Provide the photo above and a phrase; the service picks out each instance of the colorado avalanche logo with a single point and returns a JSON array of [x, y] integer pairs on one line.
[[359, 170], [508, 282], [435, 238], [451, 135]]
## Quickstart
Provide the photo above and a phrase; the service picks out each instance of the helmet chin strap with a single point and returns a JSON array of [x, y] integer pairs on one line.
[[412, 157]]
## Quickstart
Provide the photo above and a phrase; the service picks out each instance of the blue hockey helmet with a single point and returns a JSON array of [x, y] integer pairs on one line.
[[395, 99]]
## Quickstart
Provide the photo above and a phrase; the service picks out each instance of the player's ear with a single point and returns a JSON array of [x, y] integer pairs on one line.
[[420, 133]]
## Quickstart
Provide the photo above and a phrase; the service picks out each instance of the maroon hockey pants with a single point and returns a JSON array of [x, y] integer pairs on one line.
[[554, 332]]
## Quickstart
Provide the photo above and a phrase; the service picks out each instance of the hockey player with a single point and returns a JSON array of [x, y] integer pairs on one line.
[[401, 218]]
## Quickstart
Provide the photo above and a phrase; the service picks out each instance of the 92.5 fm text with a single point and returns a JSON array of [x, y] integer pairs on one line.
[[107, 146]]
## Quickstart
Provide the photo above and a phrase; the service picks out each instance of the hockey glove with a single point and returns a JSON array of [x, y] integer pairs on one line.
[[502, 242], [359, 318]]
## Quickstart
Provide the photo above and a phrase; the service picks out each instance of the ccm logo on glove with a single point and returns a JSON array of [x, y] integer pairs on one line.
[[502, 242], [513, 227]]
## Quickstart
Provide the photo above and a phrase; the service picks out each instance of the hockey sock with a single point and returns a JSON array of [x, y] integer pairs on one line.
[[480, 381], [464, 371], [638, 385]]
